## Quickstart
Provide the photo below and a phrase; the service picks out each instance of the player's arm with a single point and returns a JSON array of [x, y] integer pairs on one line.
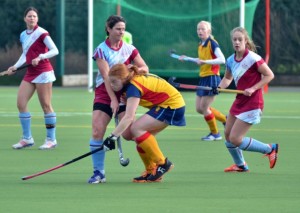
[[132, 104], [52, 51], [220, 59], [131, 107], [226, 80], [20, 62], [129, 117], [140, 63], [267, 76], [104, 69]]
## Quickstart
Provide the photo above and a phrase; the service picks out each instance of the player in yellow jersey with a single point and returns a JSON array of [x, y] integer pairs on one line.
[[209, 58], [166, 107], [127, 38]]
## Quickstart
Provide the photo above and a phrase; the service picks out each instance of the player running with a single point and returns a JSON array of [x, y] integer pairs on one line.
[[250, 73]]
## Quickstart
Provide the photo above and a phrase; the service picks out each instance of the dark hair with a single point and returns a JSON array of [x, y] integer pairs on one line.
[[30, 9], [112, 20]]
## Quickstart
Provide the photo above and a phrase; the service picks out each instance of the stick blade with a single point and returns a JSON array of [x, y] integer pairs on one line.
[[124, 162]]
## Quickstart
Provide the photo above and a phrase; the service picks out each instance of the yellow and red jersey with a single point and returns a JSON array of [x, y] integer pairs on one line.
[[154, 91], [206, 52]]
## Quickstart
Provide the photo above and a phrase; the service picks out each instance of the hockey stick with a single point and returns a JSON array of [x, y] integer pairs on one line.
[[186, 58], [62, 165], [123, 162], [195, 87], [20, 68]]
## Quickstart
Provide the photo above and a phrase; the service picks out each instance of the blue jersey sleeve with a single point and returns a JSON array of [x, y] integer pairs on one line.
[[133, 91], [214, 45]]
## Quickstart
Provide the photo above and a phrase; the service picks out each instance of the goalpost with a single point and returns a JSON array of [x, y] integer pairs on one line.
[[109, 7], [242, 13], [90, 44]]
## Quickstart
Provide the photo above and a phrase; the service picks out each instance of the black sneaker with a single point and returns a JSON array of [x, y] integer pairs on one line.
[[160, 171], [142, 178]]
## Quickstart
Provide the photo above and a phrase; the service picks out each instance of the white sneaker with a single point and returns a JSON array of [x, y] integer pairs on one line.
[[49, 144], [23, 143], [212, 137]]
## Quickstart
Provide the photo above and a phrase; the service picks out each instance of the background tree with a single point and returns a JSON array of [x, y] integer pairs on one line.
[[285, 36]]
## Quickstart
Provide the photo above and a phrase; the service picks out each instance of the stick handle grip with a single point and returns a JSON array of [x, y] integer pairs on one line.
[[23, 66], [231, 91], [20, 68]]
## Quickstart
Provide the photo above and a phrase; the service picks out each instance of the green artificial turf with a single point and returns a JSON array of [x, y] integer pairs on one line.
[[196, 184]]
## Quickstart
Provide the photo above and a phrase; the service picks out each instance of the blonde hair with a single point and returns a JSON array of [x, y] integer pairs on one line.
[[208, 25], [121, 71], [249, 43]]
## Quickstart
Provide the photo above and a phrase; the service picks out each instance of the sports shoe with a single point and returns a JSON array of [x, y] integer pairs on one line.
[[23, 143], [273, 154], [97, 177], [212, 137], [236, 168], [49, 144], [143, 178], [160, 170]]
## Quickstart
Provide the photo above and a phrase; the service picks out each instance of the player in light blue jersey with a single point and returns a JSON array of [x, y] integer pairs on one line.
[[250, 73], [38, 48], [107, 103]]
